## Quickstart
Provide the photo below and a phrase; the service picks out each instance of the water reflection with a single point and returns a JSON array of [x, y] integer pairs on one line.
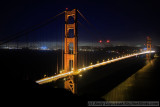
[[133, 88]]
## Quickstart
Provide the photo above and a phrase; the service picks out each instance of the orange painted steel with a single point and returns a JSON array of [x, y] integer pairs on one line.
[[148, 47], [70, 58]]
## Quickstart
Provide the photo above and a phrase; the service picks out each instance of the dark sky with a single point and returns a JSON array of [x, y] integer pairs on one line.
[[121, 21]]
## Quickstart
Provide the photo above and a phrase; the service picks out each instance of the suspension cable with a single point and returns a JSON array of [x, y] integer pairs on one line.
[[92, 26], [93, 34], [30, 29]]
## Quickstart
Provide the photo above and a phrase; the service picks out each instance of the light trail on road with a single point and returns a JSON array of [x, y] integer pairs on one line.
[[63, 75]]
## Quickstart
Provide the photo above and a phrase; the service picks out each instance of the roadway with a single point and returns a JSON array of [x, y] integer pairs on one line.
[[65, 74]]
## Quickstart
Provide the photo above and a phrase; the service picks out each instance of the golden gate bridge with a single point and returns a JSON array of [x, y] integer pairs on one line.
[[70, 58], [70, 82]]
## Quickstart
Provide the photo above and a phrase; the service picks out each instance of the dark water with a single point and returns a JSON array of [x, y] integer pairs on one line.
[[138, 76], [100, 82], [142, 85], [34, 64]]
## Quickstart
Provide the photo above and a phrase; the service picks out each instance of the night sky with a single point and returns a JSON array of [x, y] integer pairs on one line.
[[121, 21]]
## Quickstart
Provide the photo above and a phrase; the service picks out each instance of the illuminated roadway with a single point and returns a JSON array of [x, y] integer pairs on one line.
[[63, 75]]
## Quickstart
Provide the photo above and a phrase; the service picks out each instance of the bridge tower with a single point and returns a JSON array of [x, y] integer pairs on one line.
[[70, 58], [148, 47], [148, 43]]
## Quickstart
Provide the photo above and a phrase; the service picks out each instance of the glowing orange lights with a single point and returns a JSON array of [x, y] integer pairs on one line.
[[148, 43], [70, 82]]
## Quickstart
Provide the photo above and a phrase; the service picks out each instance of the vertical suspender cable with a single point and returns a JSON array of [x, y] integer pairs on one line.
[[62, 49], [57, 55]]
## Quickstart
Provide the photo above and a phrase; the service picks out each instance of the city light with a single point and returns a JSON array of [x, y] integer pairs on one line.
[[108, 41], [100, 41], [80, 75], [43, 48]]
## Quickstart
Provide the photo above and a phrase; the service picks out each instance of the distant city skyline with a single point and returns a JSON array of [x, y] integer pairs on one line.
[[59, 44]]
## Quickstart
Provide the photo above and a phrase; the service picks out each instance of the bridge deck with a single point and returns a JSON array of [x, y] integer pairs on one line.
[[63, 75]]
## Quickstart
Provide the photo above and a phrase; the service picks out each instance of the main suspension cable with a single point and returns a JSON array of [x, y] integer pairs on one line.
[[93, 27], [30, 29]]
